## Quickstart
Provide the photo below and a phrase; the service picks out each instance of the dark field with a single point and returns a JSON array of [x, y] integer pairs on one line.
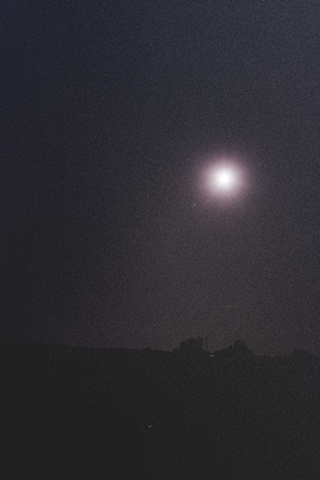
[[146, 414]]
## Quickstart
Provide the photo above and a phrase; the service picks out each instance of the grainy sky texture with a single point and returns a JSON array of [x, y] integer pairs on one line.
[[111, 110]]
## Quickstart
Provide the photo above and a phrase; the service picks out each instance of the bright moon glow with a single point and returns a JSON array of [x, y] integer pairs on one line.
[[224, 178]]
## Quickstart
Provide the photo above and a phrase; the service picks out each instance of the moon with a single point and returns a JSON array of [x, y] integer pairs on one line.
[[224, 178]]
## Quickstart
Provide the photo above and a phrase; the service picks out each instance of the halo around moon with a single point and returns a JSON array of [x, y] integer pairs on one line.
[[224, 178]]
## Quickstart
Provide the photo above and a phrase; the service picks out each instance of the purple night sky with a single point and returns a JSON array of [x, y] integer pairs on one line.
[[114, 115]]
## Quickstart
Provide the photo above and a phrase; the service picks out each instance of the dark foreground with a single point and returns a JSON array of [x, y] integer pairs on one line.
[[120, 414]]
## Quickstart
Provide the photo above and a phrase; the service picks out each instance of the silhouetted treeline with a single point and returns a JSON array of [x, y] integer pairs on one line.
[[145, 414]]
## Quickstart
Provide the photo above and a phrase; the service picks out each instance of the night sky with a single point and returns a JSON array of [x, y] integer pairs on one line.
[[111, 112]]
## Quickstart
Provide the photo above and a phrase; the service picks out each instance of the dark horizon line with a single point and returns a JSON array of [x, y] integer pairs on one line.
[[154, 349]]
